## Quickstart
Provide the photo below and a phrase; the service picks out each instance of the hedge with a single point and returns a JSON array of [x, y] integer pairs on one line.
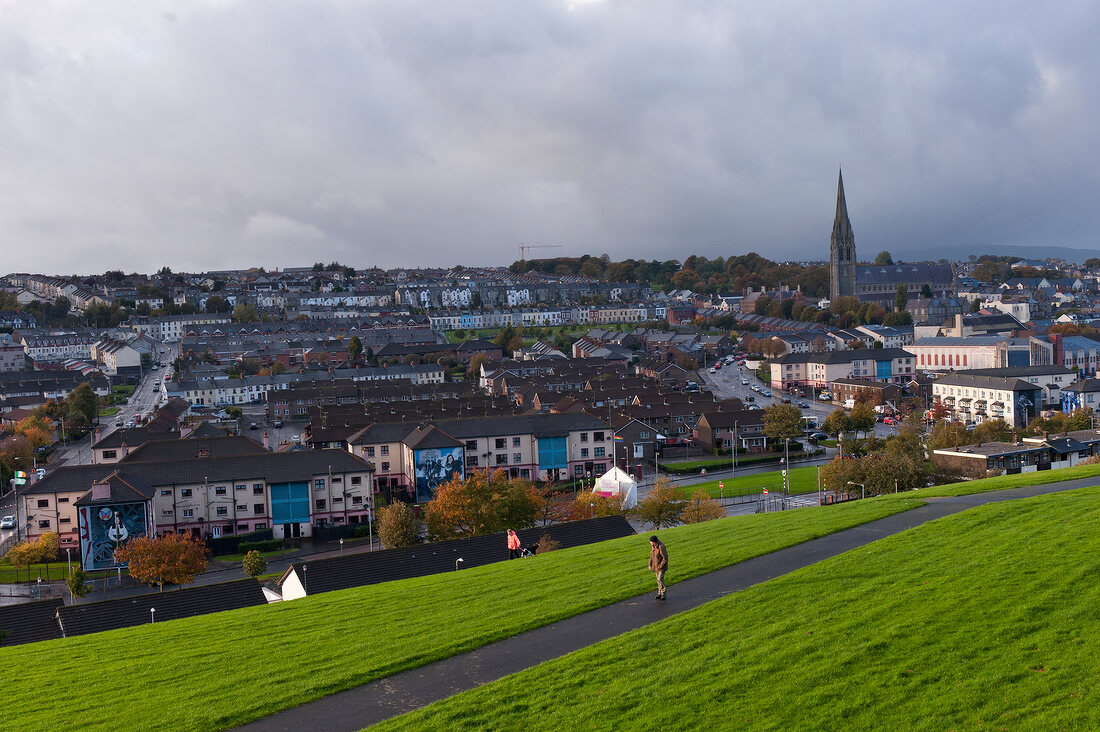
[[261, 546]]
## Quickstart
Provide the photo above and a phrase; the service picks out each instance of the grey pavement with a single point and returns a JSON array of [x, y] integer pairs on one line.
[[404, 692]]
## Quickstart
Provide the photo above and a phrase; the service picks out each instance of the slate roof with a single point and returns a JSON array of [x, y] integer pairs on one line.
[[218, 447], [29, 622], [187, 602], [962, 378], [132, 437], [122, 488], [355, 570], [859, 354], [894, 273], [271, 466]]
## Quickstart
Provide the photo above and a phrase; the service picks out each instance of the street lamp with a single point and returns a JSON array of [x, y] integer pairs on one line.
[[152, 615], [457, 561], [862, 488]]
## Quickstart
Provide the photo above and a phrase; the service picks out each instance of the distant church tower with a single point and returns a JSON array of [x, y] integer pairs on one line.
[[842, 249]]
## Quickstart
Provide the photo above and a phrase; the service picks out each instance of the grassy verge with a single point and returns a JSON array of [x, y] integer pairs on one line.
[[1005, 482], [803, 480], [983, 620], [108, 411], [51, 571], [289, 653], [694, 466]]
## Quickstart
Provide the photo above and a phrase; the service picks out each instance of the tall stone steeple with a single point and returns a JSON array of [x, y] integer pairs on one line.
[[842, 249]]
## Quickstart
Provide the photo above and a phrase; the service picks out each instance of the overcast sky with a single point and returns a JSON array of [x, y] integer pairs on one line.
[[215, 134]]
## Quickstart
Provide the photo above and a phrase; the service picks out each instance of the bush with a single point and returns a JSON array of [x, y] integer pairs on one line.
[[254, 564], [547, 544], [260, 546]]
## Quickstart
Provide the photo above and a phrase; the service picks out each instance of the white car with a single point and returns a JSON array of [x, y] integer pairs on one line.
[[8, 522]]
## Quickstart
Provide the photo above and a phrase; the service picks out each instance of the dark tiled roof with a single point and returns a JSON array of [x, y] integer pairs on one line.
[[188, 602], [29, 622], [270, 466], [120, 488], [541, 425], [205, 429], [222, 446], [354, 570], [133, 437], [859, 354]]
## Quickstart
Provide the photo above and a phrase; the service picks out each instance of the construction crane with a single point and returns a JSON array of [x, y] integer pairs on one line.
[[524, 247]]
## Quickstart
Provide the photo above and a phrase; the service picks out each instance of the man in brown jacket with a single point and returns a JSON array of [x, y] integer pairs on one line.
[[658, 563]]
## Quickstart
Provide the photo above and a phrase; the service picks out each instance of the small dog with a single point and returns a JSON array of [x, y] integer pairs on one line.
[[528, 551]]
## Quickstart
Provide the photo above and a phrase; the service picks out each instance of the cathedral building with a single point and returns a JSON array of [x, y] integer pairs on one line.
[[873, 282]]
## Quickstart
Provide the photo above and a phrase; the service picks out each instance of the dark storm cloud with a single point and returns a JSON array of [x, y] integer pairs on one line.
[[218, 134]]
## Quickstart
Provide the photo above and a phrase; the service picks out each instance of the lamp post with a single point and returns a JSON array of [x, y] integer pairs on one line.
[[862, 488], [733, 447], [341, 545], [152, 615], [457, 562], [305, 579]]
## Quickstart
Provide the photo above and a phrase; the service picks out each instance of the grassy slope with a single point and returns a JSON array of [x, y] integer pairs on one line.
[[224, 669], [985, 619], [1006, 481]]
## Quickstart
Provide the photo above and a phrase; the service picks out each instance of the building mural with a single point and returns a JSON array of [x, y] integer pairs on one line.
[[104, 528], [434, 467]]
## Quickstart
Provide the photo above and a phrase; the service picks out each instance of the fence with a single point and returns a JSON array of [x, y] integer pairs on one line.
[[230, 544]]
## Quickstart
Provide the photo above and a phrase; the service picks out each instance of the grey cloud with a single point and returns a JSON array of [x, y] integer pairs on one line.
[[207, 135]]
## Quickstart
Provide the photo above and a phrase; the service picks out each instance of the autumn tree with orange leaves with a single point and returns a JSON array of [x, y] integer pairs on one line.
[[153, 560], [484, 503]]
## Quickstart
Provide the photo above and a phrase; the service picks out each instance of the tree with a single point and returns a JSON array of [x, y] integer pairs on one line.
[[244, 313], [938, 411], [398, 526], [37, 431], [77, 582], [701, 507], [884, 257], [926, 291], [355, 348], [253, 564], [837, 422], [862, 418], [901, 297], [663, 506], [484, 503], [83, 405], [782, 421], [174, 557], [474, 369], [41, 550]]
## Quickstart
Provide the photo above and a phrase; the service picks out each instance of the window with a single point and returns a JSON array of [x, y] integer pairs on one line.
[[43, 502], [599, 452], [501, 443], [597, 436], [584, 437], [242, 527], [64, 499], [188, 512], [584, 452], [109, 454], [166, 512], [223, 510], [242, 508], [471, 460], [257, 508], [166, 493], [219, 490], [320, 504], [319, 484], [240, 487], [517, 457], [44, 524], [259, 526], [357, 500], [368, 451], [385, 450], [385, 467], [66, 520], [471, 444], [642, 435], [502, 459], [337, 479], [515, 442], [257, 489]]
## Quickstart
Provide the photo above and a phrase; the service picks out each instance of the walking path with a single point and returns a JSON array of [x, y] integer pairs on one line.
[[404, 692]]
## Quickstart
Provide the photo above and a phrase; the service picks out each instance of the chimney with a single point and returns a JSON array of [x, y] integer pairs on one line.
[[267, 444], [101, 491], [958, 324]]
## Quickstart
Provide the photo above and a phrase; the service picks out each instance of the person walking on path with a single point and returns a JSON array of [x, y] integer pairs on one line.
[[513, 544], [658, 564]]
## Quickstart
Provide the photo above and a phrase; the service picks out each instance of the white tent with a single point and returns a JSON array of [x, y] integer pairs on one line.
[[617, 482]]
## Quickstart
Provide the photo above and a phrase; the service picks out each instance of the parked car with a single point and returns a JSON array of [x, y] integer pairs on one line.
[[8, 522], [786, 400], [889, 420], [253, 426], [803, 405], [750, 398], [744, 382], [819, 436], [277, 423]]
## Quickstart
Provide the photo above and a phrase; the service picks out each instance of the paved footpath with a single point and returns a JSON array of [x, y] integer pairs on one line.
[[379, 700]]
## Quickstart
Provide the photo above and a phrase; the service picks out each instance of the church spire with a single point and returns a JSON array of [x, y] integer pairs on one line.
[[841, 204]]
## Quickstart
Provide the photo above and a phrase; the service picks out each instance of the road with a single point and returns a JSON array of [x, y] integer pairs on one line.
[[726, 383]]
